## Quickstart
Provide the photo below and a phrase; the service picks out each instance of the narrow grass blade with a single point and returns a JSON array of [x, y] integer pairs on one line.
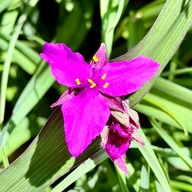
[[153, 162], [85, 167], [170, 141], [163, 39], [46, 159]]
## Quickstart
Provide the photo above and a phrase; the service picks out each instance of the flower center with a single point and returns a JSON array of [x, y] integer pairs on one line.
[[103, 78], [93, 84]]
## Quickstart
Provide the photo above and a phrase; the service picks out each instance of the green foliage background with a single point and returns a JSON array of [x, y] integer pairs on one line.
[[159, 29]]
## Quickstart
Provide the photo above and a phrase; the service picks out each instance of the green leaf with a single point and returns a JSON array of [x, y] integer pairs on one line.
[[8, 4], [170, 141], [24, 56], [174, 92], [122, 179], [173, 158], [177, 112], [169, 103], [85, 167], [159, 187], [111, 12], [35, 89], [153, 162], [46, 160], [7, 64], [162, 40], [145, 178], [79, 20], [181, 186]]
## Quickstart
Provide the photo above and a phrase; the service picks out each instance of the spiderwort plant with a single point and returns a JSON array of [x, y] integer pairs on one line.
[[93, 89]]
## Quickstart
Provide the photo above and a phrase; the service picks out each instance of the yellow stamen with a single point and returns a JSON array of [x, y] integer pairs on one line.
[[106, 85], [77, 81], [92, 83], [95, 59], [90, 80], [103, 76]]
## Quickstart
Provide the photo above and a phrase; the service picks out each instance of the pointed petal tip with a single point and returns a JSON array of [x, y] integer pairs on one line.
[[142, 143], [66, 65], [125, 171], [126, 77], [75, 150], [137, 137], [83, 121], [74, 154], [153, 64], [103, 45], [101, 54], [121, 163], [68, 94], [102, 51], [52, 105]]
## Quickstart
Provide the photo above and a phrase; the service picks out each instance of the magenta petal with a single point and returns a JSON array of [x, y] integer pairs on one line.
[[118, 141], [101, 54], [66, 66], [85, 116], [128, 76], [114, 151], [121, 163], [64, 97], [106, 143], [114, 103]]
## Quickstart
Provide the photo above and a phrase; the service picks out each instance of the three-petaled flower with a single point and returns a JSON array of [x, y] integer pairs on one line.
[[85, 105]]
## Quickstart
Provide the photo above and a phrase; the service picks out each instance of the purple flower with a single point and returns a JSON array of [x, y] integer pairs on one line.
[[116, 137], [85, 105], [117, 143]]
